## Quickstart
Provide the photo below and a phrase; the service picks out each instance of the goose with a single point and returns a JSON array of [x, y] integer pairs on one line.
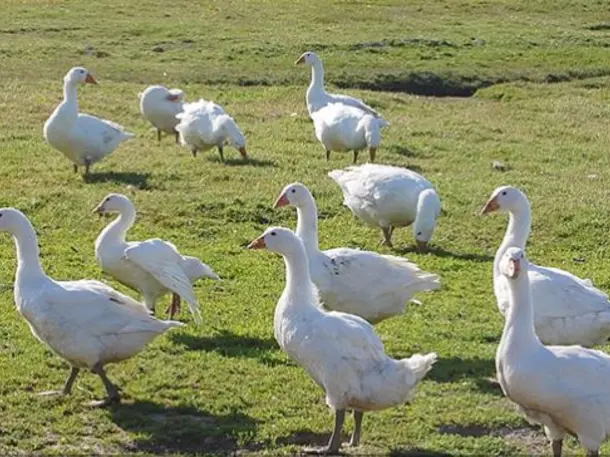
[[567, 309], [367, 284], [152, 267], [317, 97], [82, 138], [341, 127], [341, 352], [388, 197], [159, 106], [204, 125], [564, 388], [86, 322]]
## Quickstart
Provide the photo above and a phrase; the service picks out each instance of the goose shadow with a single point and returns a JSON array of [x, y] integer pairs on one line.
[[418, 452], [239, 162], [139, 180], [229, 344], [481, 371], [440, 252], [404, 151], [160, 429]]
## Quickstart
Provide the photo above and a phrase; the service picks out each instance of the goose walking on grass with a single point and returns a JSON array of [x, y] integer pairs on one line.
[[564, 388], [154, 267], [204, 125], [341, 352], [86, 322], [389, 197], [82, 138], [367, 284], [567, 309], [159, 106]]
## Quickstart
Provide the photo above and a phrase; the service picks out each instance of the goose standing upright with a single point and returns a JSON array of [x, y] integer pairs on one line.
[[564, 388], [87, 323], [159, 106], [567, 309], [82, 138], [204, 125], [341, 352], [153, 267], [388, 197], [367, 284]]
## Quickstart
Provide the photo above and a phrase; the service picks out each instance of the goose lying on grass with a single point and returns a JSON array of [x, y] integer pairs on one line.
[[159, 106], [82, 138], [86, 322], [154, 267], [341, 352]]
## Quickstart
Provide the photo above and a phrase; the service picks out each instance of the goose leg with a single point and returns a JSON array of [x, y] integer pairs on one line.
[[194, 152], [335, 440], [355, 441], [355, 157], [327, 155], [387, 236], [220, 151], [174, 308], [87, 166], [593, 453], [112, 390], [159, 135], [372, 153], [177, 137], [556, 447], [75, 168], [67, 390]]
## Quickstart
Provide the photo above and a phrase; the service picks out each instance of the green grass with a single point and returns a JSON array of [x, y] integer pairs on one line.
[[226, 386]]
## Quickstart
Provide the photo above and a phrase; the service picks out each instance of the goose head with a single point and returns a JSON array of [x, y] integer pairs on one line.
[[309, 58], [295, 194], [236, 136], [428, 209], [513, 263], [276, 239], [79, 75], [113, 203], [11, 220], [505, 199]]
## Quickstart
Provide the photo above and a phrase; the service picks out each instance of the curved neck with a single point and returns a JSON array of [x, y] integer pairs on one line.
[[317, 76], [117, 229], [299, 288], [519, 332], [28, 253], [70, 93], [307, 225], [517, 233]]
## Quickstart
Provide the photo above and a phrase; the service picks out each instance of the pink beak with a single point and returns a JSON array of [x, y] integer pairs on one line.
[[282, 201]]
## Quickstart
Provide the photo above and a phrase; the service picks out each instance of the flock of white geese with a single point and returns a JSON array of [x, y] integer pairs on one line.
[[324, 316]]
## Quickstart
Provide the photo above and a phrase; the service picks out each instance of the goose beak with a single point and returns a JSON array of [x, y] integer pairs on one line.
[[281, 201], [422, 246], [491, 206], [243, 152], [99, 209], [258, 243], [300, 60], [514, 268], [90, 79], [172, 97]]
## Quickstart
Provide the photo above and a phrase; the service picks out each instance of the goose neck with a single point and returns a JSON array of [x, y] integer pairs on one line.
[[299, 290], [519, 332], [307, 225], [517, 232], [317, 76], [28, 253], [70, 93], [117, 229]]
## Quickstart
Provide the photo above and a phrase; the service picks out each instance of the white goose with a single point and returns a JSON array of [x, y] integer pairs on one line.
[[317, 97], [87, 323], [341, 127], [153, 267], [389, 197], [564, 388], [567, 309], [82, 138], [159, 106], [341, 352], [204, 125], [370, 285]]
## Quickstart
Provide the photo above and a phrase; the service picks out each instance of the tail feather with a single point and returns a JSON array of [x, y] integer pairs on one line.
[[196, 269], [420, 364]]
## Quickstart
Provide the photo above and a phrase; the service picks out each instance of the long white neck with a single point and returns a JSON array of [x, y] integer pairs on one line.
[[316, 87], [28, 254], [68, 109], [116, 231], [517, 233], [307, 225], [519, 334], [299, 292]]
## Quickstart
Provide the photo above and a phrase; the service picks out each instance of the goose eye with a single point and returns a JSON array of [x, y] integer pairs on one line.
[[294, 191], [272, 233], [82, 72], [418, 233], [0, 214], [503, 192]]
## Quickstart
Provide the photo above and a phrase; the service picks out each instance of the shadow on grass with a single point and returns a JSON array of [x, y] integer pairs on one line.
[[440, 252], [307, 438], [239, 162], [455, 368], [229, 344], [418, 452], [160, 429], [139, 180]]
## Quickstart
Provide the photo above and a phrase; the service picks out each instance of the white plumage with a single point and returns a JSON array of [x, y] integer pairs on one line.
[[365, 283], [567, 309], [87, 323], [388, 197], [82, 138], [204, 125], [564, 388], [153, 267], [159, 106], [341, 352]]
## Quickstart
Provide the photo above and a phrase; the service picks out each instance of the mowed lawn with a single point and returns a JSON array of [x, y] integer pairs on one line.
[[225, 386]]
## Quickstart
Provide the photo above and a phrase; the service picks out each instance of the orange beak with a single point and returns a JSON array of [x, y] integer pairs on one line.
[[421, 245], [300, 60], [491, 206], [514, 268], [243, 152], [90, 79], [258, 243], [281, 201]]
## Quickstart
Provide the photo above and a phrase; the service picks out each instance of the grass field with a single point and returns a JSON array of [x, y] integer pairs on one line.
[[225, 386]]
